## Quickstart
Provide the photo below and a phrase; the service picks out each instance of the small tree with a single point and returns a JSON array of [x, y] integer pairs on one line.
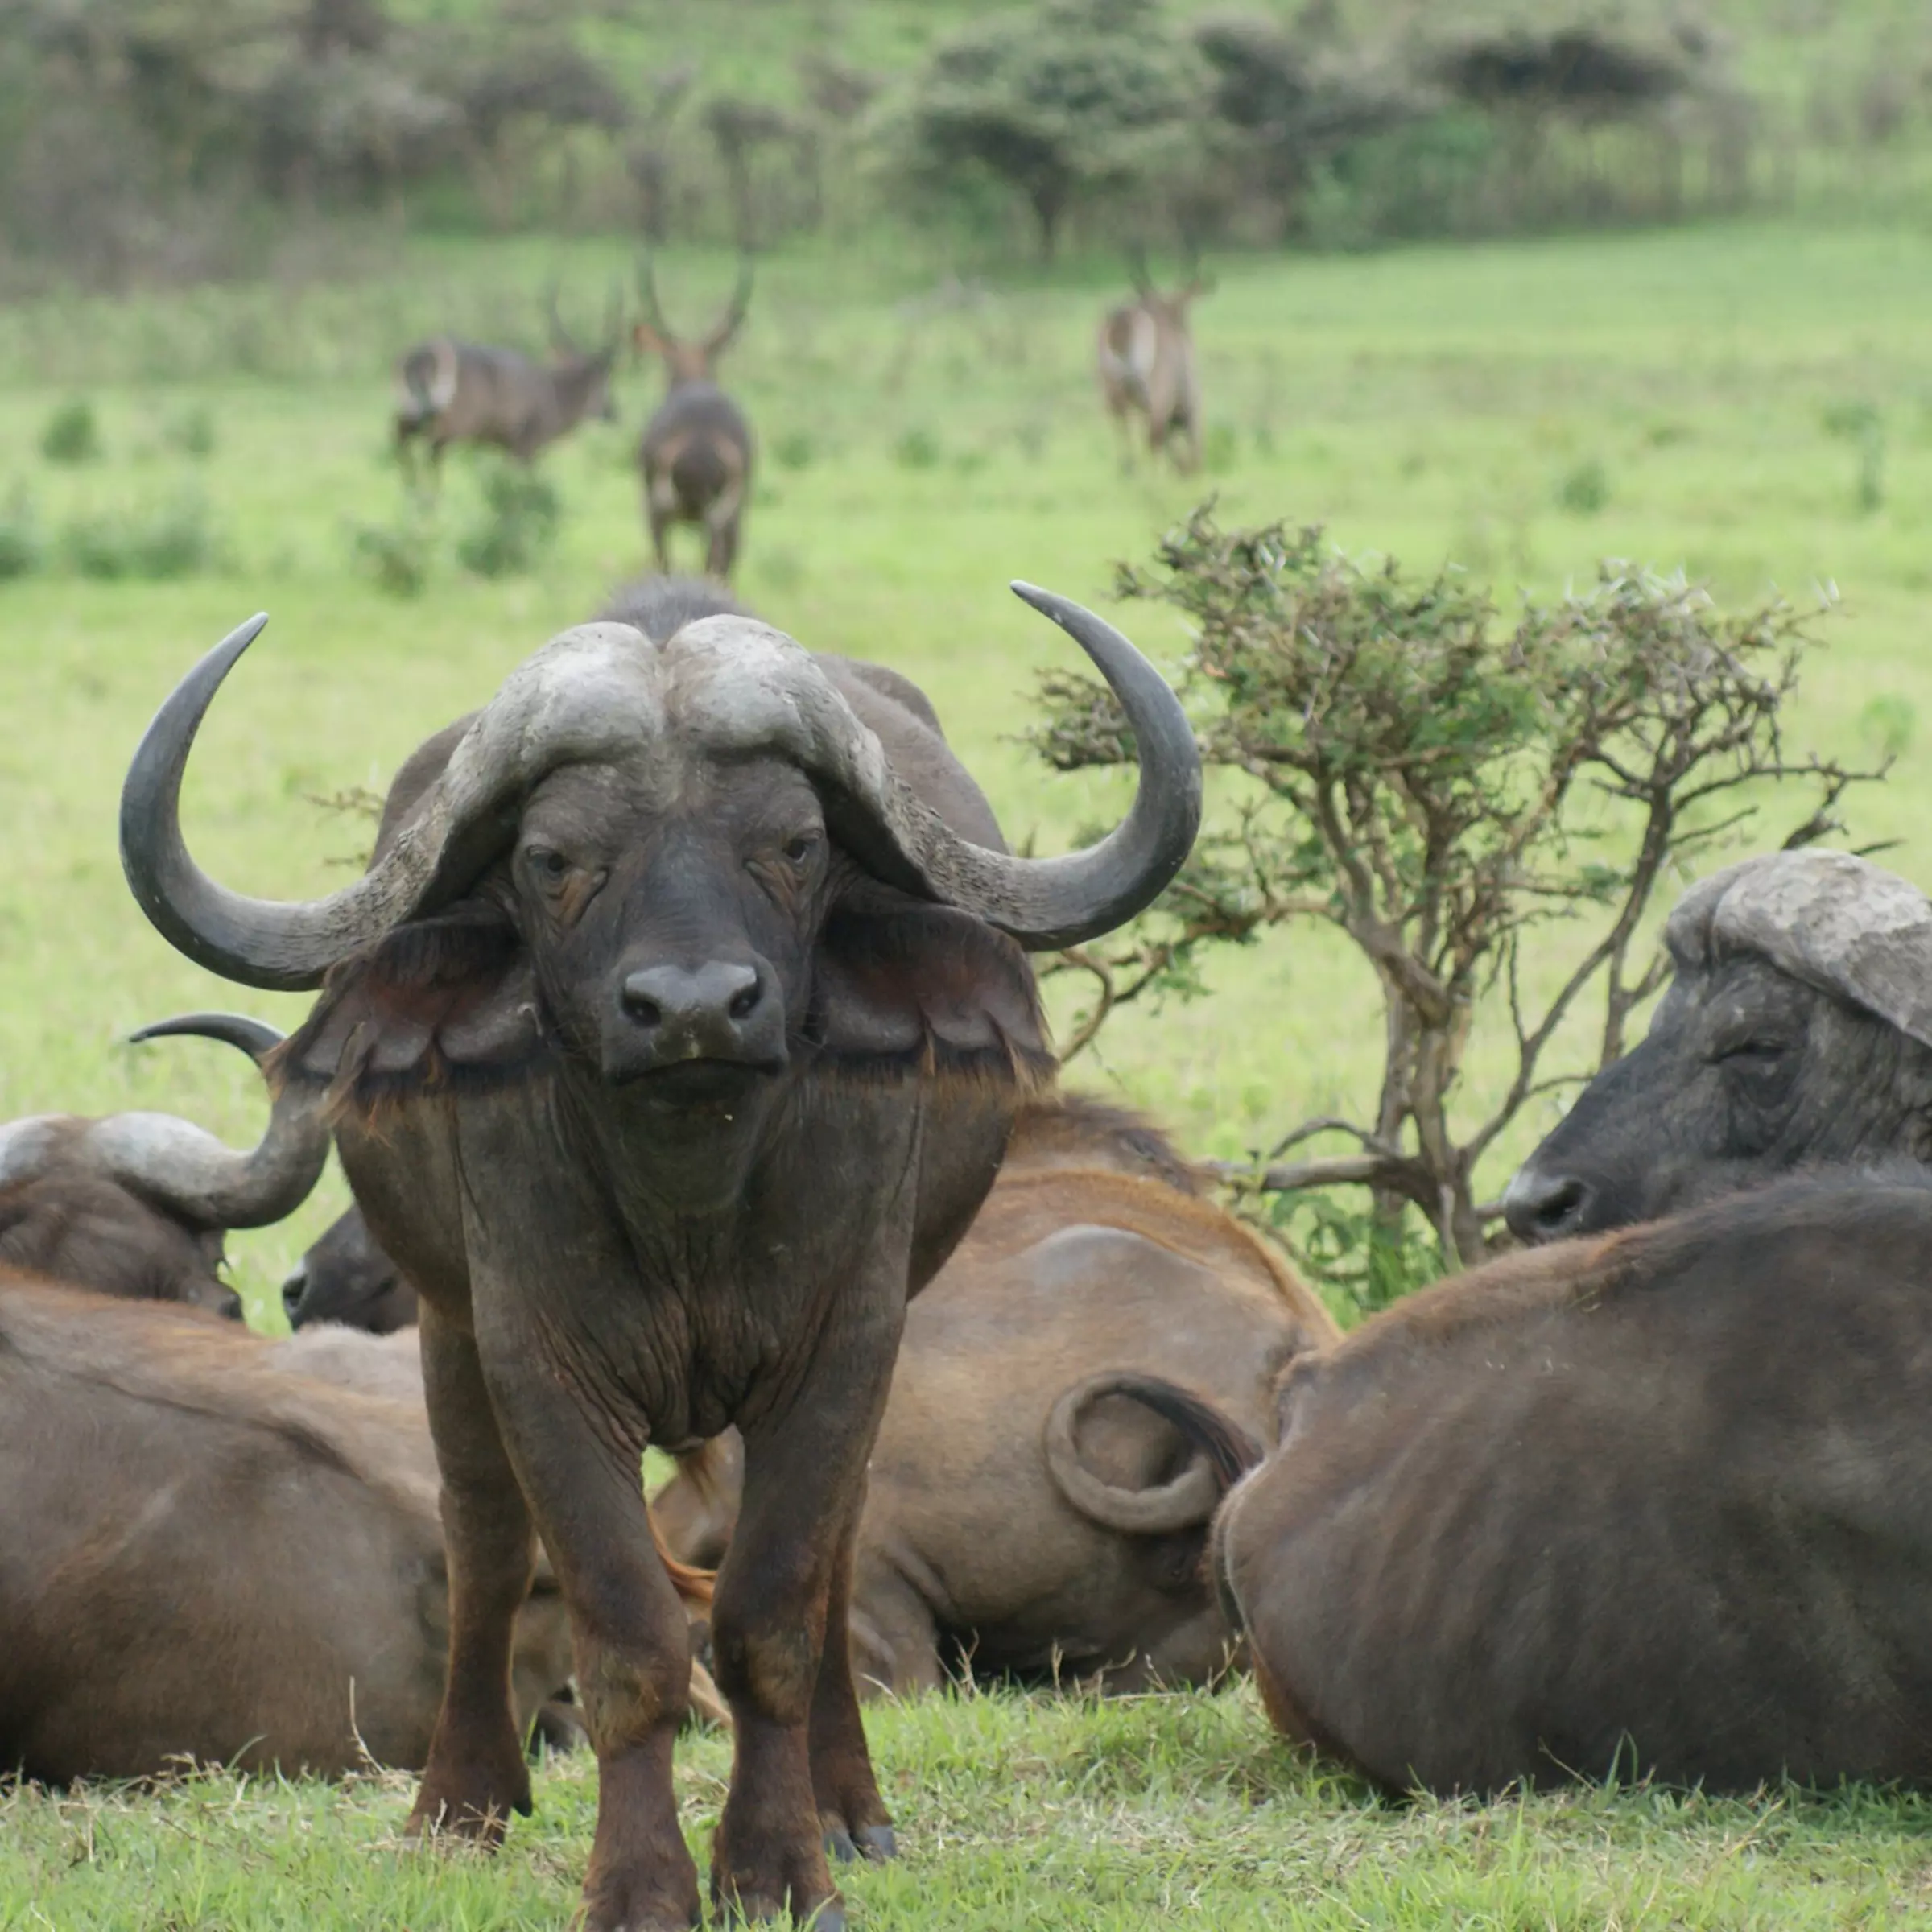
[[1060, 102], [1439, 785]]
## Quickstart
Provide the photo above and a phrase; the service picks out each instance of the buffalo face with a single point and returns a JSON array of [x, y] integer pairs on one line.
[[1788, 1038], [672, 936]]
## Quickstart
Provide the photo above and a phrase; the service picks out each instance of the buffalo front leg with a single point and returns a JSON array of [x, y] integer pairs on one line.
[[581, 1472], [851, 1814], [476, 1776], [804, 1480]]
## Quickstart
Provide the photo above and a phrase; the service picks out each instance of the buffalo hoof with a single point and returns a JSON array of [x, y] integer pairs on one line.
[[873, 1843], [479, 1816]]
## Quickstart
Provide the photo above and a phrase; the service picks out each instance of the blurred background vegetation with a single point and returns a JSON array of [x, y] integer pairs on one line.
[[171, 140]]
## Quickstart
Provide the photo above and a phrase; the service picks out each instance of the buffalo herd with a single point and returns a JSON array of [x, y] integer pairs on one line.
[[682, 1049]]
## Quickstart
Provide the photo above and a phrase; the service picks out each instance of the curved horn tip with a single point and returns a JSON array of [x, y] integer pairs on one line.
[[255, 1038]]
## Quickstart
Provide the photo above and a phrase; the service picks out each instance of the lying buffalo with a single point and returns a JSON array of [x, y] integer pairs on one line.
[[1659, 1502], [676, 1032], [1797, 1031], [1036, 1515], [136, 1205], [344, 1278], [203, 1555]]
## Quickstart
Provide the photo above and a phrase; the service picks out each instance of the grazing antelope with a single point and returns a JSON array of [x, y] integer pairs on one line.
[[1145, 358], [461, 392], [696, 449]]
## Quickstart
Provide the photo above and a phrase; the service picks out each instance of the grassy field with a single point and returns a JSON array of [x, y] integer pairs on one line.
[[1431, 403]]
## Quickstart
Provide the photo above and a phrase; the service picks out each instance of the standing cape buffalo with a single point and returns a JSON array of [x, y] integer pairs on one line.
[[674, 1032], [1660, 1501], [1797, 1031], [1033, 1497], [203, 1555], [136, 1204]]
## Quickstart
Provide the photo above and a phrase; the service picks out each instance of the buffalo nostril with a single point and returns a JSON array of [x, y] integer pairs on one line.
[[641, 1006], [745, 1002], [1540, 1208], [1560, 1205]]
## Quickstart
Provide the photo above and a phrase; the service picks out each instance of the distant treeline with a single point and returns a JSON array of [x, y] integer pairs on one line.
[[151, 140]]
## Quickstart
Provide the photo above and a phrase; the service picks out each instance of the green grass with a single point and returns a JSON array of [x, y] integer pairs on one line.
[[1436, 403], [1014, 1812]]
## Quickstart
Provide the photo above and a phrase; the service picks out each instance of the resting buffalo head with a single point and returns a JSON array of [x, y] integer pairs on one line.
[[136, 1205], [682, 867], [346, 1277], [1797, 1030]]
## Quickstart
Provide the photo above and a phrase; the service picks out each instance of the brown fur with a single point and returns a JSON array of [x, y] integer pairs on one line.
[[1656, 1500], [1090, 1252], [205, 1556], [77, 1225]]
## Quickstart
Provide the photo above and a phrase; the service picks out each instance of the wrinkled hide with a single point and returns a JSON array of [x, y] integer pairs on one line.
[[1091, 1253], [1659, 1502], [1797, 1031], [673, 1038], [206, 1556]]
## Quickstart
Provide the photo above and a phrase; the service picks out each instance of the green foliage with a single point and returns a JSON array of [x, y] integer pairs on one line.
[[396, 557], [1361, 1260], [22, 550], [71, 435], [517, 527], [1063, 103], [796, 449], [1406, 766], [191, 432], [1585, 489], [1859, 424], [176, 539], [917, 449]]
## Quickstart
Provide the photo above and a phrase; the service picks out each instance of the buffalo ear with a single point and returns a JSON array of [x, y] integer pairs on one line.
[[437, 1001], [901, 983]]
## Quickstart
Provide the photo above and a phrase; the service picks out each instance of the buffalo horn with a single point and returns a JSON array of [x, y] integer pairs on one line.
[[602, 691], [1830, 919], [190, 1174]]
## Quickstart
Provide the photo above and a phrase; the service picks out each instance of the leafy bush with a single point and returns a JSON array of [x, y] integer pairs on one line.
[[22, 551], [794, 450], [1585, 489], [1399, 762], [917, 449], [174, 540], [192, 431], [71, 435], [1060, 103], [517, 527], [397, 556]]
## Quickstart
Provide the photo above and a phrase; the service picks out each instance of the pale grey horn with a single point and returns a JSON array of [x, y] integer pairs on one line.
[[584, 691], [1830, 919], [738, 684], [190, 1174], [285, 948]]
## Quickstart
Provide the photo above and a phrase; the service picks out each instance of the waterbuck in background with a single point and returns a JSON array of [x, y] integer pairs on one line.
[[461, 392], [696, 449], [1145, 358]]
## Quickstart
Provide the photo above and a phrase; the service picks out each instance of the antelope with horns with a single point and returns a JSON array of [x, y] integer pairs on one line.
[[449, 391], [1145, 358], [696, 450]]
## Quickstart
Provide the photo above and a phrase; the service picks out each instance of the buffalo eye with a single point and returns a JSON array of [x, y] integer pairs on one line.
[[800, 847], [548, 866]]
